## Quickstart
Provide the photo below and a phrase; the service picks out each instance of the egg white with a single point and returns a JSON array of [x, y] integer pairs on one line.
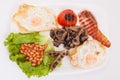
[[46, 17], [89, 47]]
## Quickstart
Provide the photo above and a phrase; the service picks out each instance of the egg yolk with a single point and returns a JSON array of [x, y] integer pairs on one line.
[[36, 21], [91, 59]]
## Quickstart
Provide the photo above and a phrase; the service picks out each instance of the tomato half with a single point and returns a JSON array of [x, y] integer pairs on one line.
[[67, 18]]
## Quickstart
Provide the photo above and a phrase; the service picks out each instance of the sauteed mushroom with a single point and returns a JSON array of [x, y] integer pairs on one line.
[[70, 37], [77, 40]]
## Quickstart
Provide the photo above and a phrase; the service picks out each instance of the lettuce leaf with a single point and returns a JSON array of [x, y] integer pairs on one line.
[[20, 38], [14, 40]]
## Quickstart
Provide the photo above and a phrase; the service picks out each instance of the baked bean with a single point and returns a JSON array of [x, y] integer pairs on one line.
[[33, 52]]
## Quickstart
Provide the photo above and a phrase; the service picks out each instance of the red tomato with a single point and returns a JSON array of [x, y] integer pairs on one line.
[[67, 18]]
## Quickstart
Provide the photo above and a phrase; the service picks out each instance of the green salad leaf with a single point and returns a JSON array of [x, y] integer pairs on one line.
[[20, 38], [14, 40]]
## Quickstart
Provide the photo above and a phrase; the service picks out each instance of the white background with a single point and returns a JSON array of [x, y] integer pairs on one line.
[[10, 71]]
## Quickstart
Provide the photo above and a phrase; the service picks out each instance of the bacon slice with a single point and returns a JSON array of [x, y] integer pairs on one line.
[[88, 21]]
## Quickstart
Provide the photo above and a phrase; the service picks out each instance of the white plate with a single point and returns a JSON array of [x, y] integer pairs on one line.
[[101, 17]]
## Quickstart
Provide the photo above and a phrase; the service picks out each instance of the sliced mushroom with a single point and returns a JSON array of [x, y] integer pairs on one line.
[[72, 28], [70, 37], [57, 35], [60, 32], [64, 36], [56, 43], [76, 40], [84, 39], [52, 34]]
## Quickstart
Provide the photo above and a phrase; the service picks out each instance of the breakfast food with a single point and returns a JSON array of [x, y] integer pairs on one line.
[[33, 52], [58, 59], [33, 19], [90, 54], [101, 38], [54, 53], [30, 56], [69, 36], [67, 18], [88, 21], [43, 40]]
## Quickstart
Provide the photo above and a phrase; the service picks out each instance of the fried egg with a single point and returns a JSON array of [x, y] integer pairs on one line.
[[88, 55], [33, 18]]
